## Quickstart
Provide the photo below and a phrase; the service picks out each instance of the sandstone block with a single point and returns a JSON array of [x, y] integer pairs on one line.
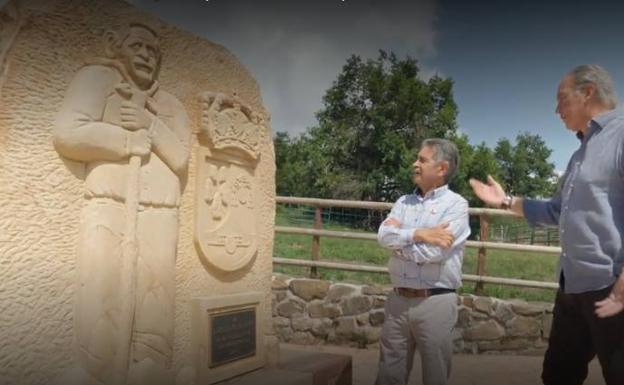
[[356, 305], [279, 282], [338, 291], [319, 309], [379, 302], [375, 290], [347, 326], [503, 312], [290, 307], [303, 338], [302, 324], [488, 330], [483, 305], [321, 327], [362, 319], [521, 326], [527, 309], [281, 322], [377, 317], [464, 317], [309, 289]]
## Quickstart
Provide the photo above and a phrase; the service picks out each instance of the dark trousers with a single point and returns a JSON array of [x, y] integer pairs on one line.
[[577, 335]]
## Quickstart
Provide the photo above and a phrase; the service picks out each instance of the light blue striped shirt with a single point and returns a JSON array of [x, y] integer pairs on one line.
[[419, 265], [589, 207]]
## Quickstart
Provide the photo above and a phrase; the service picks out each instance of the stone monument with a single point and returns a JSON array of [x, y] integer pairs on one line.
[[136, 227]]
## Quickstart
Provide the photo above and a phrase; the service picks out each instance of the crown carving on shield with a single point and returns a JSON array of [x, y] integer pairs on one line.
[[229, 124]]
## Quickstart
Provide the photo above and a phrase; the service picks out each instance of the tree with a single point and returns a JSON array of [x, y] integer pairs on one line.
[[373, 119], [475, 162], [525, 169], [300, 164], [286, 167]]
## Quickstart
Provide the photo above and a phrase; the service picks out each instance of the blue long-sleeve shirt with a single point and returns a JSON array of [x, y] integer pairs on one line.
[[589, 207], [417, 264]]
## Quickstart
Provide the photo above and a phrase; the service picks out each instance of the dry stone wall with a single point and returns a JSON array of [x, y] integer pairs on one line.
[[308, 312]]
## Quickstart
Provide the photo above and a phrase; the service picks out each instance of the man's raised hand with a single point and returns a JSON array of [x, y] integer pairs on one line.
[[491, 193]]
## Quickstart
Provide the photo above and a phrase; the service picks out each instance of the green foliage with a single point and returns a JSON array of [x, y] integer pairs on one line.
[[301, 165], [475, 162], [374, 117], [525, 169]]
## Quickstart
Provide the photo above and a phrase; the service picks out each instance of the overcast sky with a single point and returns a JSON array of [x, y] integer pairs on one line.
[[296, 48], [505, 57]]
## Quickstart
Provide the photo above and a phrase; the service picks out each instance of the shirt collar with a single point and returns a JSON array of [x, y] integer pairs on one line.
[[602, 119], [435, 193]]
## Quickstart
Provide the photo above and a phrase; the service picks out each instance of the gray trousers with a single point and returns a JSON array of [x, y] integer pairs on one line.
[[423, 323]]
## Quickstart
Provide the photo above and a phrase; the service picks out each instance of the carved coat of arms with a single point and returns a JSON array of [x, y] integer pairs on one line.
[[225, 214]]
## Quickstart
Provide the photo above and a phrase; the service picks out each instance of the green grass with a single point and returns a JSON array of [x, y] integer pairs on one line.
[[499, 263]]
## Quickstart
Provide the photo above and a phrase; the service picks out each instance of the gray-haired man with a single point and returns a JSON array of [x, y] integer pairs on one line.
[[426, 231], [589, 209]]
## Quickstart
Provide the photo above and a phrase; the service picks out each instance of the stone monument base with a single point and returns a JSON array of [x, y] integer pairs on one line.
[[297, 367]]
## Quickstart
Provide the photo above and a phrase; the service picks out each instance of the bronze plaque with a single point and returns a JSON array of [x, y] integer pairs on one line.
[[233, 336]]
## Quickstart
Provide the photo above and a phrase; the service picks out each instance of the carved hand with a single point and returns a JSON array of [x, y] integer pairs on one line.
[[134, 117], [139, 142], [437, 236]]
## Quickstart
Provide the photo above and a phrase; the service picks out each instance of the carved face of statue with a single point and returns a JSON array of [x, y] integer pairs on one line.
[[139, 54]]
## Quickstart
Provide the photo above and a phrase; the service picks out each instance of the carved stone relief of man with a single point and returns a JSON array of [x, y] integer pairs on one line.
[[134, 139]]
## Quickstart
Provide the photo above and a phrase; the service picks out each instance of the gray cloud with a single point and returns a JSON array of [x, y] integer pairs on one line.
[[295, 49]]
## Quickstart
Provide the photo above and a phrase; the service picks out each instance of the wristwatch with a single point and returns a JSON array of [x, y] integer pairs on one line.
[[506, 203]]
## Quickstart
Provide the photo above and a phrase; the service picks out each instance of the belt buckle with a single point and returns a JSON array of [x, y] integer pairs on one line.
[[412, 293]]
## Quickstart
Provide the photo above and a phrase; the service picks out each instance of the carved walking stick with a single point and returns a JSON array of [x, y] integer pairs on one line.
[[130, 254]]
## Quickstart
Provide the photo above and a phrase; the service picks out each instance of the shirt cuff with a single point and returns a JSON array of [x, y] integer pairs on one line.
[[533, 211]]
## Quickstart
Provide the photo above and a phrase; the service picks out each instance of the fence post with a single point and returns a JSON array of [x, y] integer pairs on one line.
[[484, 225], [316, 240], [547, 237]]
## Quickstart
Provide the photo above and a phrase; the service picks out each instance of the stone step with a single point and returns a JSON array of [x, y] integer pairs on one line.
[[298, 367]]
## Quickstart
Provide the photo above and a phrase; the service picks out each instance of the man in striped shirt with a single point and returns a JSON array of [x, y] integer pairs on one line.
[[426, 231]]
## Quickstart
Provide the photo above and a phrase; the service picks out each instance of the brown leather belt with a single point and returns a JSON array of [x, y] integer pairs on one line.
[[421, 293]]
